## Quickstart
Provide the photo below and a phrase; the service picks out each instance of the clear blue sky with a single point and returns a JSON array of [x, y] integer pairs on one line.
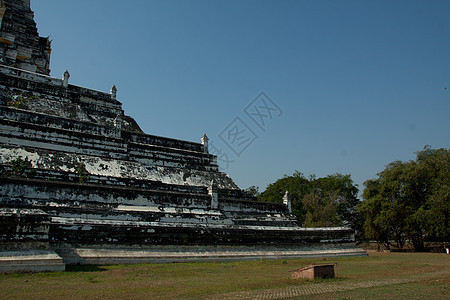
[[359, 84]]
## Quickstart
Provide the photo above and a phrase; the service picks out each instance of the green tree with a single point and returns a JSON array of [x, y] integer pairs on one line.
[[434, 167], [344, 193], [297, 186], [409, 201], [328, 201], [383, 220], [321, 209], [253, 191], [374, 224]]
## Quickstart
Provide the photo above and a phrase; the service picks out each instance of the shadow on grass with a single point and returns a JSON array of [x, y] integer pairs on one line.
[[85, 268]]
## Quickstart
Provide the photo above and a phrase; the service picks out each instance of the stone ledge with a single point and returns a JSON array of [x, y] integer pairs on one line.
[[165, 254], [55, 84], [30, 261]]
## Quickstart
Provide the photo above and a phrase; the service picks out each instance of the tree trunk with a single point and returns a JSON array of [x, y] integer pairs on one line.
[[418, 243]]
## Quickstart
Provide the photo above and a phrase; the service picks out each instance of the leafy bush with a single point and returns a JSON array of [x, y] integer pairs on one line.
[[20, 167], [83, 174]]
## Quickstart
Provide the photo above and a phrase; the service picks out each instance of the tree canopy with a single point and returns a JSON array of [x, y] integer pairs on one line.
[[409, 201], [317, 202]]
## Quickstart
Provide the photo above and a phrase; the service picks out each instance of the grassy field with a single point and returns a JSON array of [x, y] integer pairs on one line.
[[381, 275]]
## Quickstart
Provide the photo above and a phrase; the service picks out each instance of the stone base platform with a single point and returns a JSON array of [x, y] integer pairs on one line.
[[165, 253], [30, 261]]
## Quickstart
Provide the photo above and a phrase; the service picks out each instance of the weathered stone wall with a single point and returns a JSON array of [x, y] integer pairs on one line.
[[20, 44], [92, 214], [163, 142], [60, 161], [22, 228], [47, 122], [38, 111], [48, 95], [151, 202], [93, 232], [115, 254]]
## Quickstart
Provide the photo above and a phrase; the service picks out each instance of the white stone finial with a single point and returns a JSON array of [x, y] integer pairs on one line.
[[65, 79], [205, 140], [287, 200], [113, 92]]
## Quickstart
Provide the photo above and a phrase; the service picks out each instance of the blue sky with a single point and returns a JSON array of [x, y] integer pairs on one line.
[[358, 84]]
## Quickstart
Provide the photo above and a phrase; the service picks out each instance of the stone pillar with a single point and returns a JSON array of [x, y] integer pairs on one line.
[[213, 191], [113, 92], [287, 200], [65, 79], [205, 140]]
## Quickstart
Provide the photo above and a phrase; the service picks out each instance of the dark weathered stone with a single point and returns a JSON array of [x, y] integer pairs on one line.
[[20, 44], [91, 179], [21, 226]]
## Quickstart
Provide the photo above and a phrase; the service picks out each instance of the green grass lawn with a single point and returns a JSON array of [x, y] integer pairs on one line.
[[429, 275]]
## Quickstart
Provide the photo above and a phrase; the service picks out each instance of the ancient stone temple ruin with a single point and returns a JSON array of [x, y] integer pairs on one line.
[[20, 44], [81, 182]]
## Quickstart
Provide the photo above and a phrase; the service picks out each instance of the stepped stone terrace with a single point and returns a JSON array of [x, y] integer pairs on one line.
[[81, 183]]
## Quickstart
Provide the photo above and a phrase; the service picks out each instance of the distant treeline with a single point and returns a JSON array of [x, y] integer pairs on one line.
[[407, 202]]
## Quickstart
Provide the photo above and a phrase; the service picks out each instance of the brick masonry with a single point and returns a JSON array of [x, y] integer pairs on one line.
[[314, 271]]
